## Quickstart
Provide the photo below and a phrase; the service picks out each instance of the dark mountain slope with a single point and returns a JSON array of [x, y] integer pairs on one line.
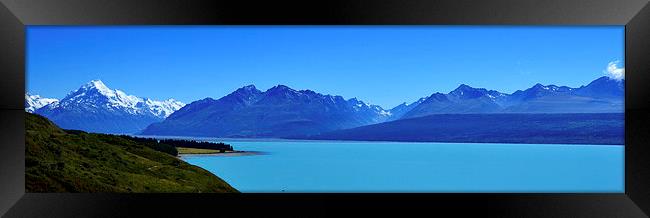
[[496, 128], [279, 111]]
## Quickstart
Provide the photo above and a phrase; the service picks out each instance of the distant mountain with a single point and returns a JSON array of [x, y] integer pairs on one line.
[[462, 100], [430, 105], [34, 102], [277, 112], [580, 128], [603, 87], [283, 112], [399, 110], [96, 108], [538, 91], [603, 95]]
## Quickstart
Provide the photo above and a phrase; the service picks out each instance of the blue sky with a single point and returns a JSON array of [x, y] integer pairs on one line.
[[384, 65]]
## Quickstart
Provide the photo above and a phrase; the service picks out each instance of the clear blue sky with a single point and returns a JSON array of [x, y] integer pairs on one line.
[[384, 65]]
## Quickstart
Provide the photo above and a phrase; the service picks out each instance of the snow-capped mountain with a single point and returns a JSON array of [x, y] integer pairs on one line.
[[462, 100], [376, 112], [277, 112], [538, 91], [603, 95], [160, 108], [96, 94], [34, 102], [282, 111], [96, 108]]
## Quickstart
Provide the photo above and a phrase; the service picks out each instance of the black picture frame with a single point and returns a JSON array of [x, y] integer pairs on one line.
[[15, 15]]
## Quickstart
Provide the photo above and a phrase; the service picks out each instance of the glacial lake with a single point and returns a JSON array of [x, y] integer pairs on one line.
[[339, 166]]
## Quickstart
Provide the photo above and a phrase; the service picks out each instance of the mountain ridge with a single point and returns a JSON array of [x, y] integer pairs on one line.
[[35, 102], [278, 111], [599, 96], [96, 108], [282, 111]]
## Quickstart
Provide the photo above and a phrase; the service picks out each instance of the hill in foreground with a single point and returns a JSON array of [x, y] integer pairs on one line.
[[75, 161]]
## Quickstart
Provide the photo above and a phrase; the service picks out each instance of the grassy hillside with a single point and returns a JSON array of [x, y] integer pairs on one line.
[[75, 161]]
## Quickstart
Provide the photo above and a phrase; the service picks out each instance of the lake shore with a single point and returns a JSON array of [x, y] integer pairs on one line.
[[225, 154]]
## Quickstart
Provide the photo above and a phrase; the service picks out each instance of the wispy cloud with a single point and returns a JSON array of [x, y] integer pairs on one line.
[[614, 72]]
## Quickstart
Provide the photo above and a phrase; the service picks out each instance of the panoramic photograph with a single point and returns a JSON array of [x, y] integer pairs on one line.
[[318, 109]]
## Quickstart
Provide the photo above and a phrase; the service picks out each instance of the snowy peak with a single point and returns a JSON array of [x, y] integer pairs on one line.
[[35, 102], [99, 86], [550, 88], [467, 92], [538, 91], [249, 87], [359, 105], [96, 94], [94, 107], [560, 88], [162, 108]]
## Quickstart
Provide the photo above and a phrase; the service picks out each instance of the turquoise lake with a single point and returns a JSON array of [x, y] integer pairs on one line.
[[336, 166]]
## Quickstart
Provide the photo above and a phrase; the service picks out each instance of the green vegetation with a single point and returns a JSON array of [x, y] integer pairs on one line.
[[169, 145], [197, 144], [182, 150], [153, 143], [76, 161]]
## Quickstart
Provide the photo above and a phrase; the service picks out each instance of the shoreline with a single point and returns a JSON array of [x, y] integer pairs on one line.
[[214, 139], [227, 154]]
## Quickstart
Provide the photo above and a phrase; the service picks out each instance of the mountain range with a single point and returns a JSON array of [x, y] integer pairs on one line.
[[96, 108], [603, 95], [285, 112], [34, 102], [277, 112]]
